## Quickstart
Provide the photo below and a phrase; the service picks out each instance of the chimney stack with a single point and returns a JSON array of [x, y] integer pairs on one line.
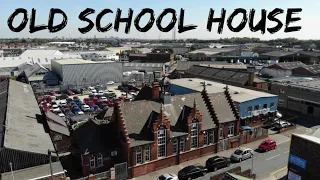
[[251, 78]]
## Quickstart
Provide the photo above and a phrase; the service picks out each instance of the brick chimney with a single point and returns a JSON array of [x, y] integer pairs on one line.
[[155, 91], [250, 79]]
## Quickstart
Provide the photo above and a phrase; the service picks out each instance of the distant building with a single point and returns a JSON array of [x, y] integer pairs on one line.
[[84, 72], [207, 54], [282, 69], [301, 95]]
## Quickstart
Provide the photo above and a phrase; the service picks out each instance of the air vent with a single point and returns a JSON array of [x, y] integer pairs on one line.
[[190, 79], [236, 92], [209, 84]]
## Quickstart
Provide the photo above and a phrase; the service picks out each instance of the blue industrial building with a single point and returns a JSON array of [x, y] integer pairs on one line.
[[254, 106]]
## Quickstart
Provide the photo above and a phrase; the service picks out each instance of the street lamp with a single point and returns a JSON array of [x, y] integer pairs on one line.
[[10, 164], [49, 154]]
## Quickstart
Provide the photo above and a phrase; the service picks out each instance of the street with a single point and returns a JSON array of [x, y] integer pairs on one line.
[[263, 163]]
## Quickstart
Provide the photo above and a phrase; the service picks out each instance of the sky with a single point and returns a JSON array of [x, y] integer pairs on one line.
[[196, 12]]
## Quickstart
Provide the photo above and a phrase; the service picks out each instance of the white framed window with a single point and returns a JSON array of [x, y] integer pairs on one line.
[[139, 156], [182, 144], [231, 129], [211, 137], [206, 138], [194, 135], [221, 133], [92, 162], [100, 160], [147, 153], [175, 146], [162, 140]]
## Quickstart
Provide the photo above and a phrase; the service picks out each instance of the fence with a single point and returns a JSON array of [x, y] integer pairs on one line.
[[258, 132], [100, 176]]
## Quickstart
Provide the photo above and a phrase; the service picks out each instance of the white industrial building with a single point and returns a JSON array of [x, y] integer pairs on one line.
[[9, 65], [96, 55], [84, 72]]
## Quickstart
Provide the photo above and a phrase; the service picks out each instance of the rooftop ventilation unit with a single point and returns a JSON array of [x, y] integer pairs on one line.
[[236, 92], [190, 79], [209, 84]]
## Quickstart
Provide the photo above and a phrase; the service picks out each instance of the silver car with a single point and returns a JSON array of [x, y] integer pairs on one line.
[[241, 154]]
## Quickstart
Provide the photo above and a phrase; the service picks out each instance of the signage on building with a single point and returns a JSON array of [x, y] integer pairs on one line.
[[293, 176], [297, 161]]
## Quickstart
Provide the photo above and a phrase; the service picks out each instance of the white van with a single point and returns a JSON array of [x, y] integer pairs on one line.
[[90, 89]]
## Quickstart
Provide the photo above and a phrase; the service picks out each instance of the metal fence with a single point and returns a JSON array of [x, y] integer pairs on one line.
[[100, 176], [258, 132]]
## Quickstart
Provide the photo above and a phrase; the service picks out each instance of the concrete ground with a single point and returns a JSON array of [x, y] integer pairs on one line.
[[263, 163]]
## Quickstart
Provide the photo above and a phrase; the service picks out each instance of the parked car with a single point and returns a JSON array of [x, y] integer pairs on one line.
[[90, 103], [268, 145], [86, 100], [76, 91], [103, 98], [85, 108], [62, 104], [78, 111], [217, 162], [90, 89], [75, 97], [55, 108], [70, 93], [168, 176], [68, 100], [281, 124], [241, 154], [67, 112], [73, 104], [63, 96], [192, 172], [95, 108], [110, 83], [95, 100], [79, 102], [103, 105], [100, 93], [62, 115]]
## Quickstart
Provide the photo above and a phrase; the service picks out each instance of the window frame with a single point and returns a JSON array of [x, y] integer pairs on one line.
[[231, 129], [182, 144], [175, 146], [206, 138], [147, 153], [194, 135], [92, 160], [139, 155], [100, 160], [162, 143]]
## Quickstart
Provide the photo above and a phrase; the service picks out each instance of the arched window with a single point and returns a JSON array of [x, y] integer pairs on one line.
[[162, 140]]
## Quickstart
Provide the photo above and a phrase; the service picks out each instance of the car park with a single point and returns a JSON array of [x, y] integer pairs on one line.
[[168, 176], [192, 172], [241, 154], [267, 145], [217, 162]]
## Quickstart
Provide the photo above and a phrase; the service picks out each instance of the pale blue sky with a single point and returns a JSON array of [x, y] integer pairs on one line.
[[196, 12]]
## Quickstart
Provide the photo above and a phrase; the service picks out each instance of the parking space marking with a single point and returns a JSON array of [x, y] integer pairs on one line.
[[273, 157]]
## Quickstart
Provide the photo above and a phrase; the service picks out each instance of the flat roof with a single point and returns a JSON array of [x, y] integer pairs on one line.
[[37, 172], [308, 137], [75, 61], [215, 87], [23, 131]]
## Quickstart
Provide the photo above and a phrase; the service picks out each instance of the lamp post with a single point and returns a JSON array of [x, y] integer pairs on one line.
[[10, 164], [49, 154]]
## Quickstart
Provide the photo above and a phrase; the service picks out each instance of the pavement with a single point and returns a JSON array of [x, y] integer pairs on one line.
[[263, 163]]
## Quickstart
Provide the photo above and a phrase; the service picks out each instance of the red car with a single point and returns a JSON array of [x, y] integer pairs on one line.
[[70, 93], [90, 103], [268, 145]]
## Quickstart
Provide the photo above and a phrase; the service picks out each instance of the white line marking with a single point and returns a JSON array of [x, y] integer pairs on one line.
[[273, 157], [286, 152]]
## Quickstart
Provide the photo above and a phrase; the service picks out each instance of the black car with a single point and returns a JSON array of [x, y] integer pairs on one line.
[[217, 162], [67, 112], [76, 91], [192, 172]]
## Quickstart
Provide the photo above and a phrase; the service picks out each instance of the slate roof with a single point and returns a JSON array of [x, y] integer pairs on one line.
[[241, 78], [314, 69], [278, 53], [209, 72], [93, 138], [23, 131], [136, 115], [33, 69], [223, 75], [288, 65], [222, 107], [3, 108], [174, 110], [58, 128]]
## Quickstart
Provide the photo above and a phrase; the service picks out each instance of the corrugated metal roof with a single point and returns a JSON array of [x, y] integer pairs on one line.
[[37, 53]]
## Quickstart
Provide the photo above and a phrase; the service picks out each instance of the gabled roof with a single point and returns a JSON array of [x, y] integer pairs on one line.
[[314, 69], [58, 128], [179, 102], [221, 107], [288, 65], [34, 68], [36, 53], [278, 53], [23, 131], [93, 138]]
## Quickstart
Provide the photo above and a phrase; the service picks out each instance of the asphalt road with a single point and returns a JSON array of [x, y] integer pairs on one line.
[[263, 163]]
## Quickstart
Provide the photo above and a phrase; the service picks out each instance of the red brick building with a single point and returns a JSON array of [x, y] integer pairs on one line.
[[96, 146], [156, 135], [59, 132]]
